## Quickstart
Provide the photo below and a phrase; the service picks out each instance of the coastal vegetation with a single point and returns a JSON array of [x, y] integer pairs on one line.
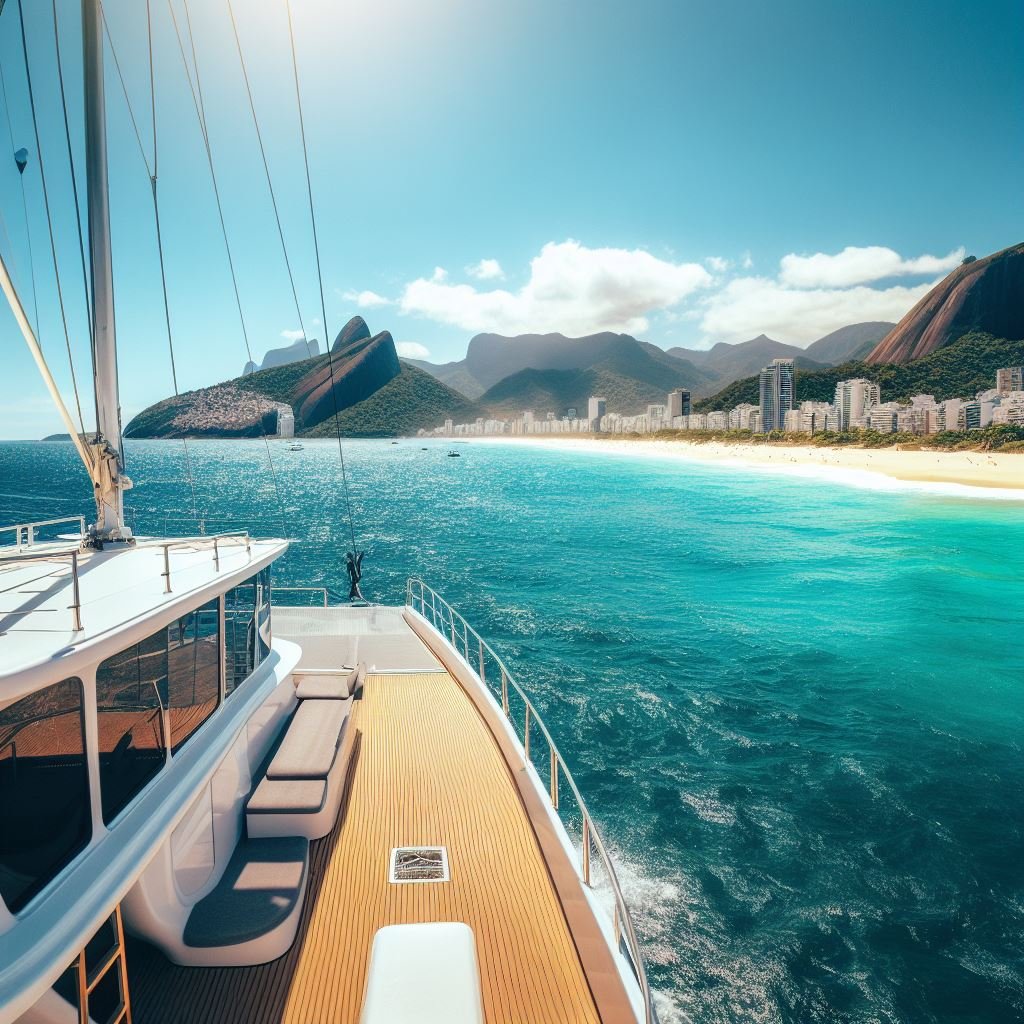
[[959, 370], [1006, 437], [411, 401]]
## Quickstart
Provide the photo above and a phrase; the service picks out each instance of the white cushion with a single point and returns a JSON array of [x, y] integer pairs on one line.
[[423, 974]]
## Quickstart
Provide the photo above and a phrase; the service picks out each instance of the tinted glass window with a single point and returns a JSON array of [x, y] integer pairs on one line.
[[193, 671], [131, 693], [246, 628], [44, 789]]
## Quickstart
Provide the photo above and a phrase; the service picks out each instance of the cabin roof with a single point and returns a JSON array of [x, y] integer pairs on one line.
[[122, 595]]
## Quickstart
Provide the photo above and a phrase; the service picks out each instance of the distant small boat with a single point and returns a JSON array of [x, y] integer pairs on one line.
[[295, 447], [394, 442], [455, 455]]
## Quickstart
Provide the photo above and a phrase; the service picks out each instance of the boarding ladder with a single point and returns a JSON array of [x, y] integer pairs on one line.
[[88, 976]]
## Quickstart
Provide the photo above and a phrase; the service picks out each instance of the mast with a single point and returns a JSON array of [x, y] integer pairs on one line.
[[110, 482]]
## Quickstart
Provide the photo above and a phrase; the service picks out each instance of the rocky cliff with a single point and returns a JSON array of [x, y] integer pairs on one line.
[[355, 370], [980, 295], [358, 366]]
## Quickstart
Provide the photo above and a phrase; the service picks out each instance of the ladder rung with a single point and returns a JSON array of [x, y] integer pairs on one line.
[[119, 1013], [95, 976]]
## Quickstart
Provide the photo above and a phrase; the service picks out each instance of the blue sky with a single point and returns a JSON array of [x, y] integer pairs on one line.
[[685, 171]]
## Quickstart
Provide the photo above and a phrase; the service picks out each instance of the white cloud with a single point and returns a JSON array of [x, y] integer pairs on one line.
[[366, 299], [572, 289], [747, 261], [439, 275], [718, 264], [748, 306], [412, 350], [292, 335], [486, 270], [859, 265]]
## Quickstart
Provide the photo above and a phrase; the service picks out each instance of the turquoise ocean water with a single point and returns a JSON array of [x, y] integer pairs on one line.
[[795, 707]]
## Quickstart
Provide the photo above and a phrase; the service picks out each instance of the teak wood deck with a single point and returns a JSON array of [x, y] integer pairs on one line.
[[427, 770]]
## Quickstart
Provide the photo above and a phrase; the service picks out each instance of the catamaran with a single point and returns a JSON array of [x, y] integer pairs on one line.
[[218, 806]]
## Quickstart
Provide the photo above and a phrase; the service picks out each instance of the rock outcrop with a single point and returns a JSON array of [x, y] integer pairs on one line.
[[980, 295], [356, 369], [355, 330]]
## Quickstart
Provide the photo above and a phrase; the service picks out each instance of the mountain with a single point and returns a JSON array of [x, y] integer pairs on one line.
[[358, 366], [411, 401], [848, 343], [455, 375], [492, 357], [629, 374], [980, 295], [293, 353], [729, 362], [959, 370]]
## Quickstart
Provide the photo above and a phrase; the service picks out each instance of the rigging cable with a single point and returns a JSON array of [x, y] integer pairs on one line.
[[49, 219], [197, 99], [24, 200], [74, 190], [320, 280], [151, 174], [160, 246]]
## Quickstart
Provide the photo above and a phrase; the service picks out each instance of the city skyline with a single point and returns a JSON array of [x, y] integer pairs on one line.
[[725, 226]]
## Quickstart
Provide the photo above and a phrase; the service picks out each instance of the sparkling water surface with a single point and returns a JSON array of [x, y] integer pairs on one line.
[[794, 706]]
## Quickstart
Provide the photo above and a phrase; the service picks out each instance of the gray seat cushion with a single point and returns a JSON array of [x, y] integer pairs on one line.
[[311, 742], [327, 687], [287, 796], [261, 886]]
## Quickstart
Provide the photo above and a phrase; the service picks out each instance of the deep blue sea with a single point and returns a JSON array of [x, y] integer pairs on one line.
[[795, 706]]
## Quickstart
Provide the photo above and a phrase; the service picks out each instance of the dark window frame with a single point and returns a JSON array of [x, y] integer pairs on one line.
[[22, 898]]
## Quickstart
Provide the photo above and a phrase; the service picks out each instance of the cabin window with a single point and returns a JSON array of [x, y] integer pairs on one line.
[[193, 671], [246, 628], [44, 789], [131, 693], [177, 669]]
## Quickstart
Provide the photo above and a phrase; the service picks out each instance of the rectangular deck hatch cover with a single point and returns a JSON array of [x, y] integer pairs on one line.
[[418, 864]]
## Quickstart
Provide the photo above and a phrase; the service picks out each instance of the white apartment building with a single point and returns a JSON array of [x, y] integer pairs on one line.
[[853, 400], [596, 408]]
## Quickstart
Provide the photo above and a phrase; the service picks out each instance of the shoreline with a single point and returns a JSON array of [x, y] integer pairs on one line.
[[969, 473]]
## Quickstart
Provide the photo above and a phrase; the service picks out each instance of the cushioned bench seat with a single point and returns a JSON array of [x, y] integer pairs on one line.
[[300, 791], [311, 742], [288, 796], [328, 685], [252, 915]]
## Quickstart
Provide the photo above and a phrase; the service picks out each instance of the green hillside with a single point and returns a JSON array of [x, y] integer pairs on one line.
[[279, 382], [412, 401], [559, 390], [959, 370]]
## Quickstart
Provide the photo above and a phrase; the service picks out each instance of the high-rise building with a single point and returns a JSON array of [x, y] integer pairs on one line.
[[285, 422], [776, 394], [678, 403], [854, 398], [1010, 378], [595, 412]]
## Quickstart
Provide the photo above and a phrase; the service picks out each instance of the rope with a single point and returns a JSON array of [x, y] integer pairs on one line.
[[24, 204], [159, 240], [49, 219], [319, 276], [197, 99]]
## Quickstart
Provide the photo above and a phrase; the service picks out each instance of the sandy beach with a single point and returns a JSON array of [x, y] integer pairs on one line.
[[1001, 475]]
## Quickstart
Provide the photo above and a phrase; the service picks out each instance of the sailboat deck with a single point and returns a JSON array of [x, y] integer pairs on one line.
[[427, 770]]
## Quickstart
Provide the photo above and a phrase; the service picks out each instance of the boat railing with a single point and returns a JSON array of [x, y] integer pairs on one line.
[[25, 533], [478, 655], [326, 593], [215, 542]]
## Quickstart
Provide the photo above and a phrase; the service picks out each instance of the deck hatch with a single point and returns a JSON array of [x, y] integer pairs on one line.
[[418, 864]]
